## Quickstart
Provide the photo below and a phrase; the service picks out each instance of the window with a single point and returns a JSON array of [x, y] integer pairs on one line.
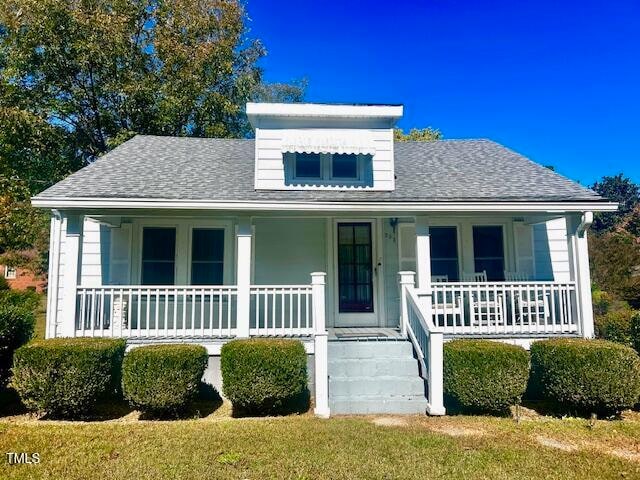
[[344, 166], [158, 256], [326, 167], [488, 250], [207, 256], [444, 252], [10, 273], [308, 165]]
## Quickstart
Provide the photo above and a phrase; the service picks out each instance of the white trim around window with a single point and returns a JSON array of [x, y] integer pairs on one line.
[[10, 273], [184, 231], [327, 176]]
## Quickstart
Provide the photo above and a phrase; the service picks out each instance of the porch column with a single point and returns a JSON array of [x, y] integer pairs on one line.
[[244, 236], [423, 253], [577, 226], [320, 349], [73, 224]]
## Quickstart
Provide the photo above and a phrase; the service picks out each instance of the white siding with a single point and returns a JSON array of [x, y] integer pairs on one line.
[[286, 251], [551, 250], [270, 168]]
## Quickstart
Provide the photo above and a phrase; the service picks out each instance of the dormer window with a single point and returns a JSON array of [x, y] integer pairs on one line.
[[344, 166], [327, 169], [308, 165]]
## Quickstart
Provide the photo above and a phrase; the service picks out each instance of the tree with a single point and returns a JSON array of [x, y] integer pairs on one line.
[[417, 135], [613, 256], [617, 188], [79, 78]]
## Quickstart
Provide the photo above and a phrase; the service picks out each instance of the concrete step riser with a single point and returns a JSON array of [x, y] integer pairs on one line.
[[391, 406], [400, 367], [382, 387], [358, 350]]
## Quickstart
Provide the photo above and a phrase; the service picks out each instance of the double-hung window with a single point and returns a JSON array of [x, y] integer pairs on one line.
[[444, 252], [10, 273], [207, 256], [158, 256], [488, 251]]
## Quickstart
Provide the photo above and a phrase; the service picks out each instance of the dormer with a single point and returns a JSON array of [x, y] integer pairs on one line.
[[323, 147]]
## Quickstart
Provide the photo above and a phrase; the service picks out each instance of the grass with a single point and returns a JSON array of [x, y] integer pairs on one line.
[[300, 447], [41, 318]]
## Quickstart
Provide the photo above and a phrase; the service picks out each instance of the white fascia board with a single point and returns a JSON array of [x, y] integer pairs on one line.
[[323, 110], [115, 203]]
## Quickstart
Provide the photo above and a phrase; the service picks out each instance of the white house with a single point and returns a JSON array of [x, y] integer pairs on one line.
[[314, 231]]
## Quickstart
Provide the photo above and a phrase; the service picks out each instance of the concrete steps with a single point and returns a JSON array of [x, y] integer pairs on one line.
[[368, 377]]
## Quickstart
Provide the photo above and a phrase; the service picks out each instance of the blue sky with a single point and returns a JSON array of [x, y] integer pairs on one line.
[[556, 81]]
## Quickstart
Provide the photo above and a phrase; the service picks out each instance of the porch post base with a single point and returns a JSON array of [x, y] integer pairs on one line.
[[321, 376], [436, 411]]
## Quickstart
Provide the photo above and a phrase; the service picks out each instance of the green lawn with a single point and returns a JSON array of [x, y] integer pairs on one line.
[[306, 447]]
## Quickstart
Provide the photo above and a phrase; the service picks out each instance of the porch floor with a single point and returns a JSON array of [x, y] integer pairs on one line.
[[363, 334]]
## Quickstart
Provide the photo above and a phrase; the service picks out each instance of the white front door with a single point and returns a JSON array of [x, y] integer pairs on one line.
[[356, 274]]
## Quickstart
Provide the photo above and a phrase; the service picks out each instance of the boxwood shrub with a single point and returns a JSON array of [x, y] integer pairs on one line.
[[482, 375], [586, 376], [265, 376], [162, 380], [66, 377], [16, 329]]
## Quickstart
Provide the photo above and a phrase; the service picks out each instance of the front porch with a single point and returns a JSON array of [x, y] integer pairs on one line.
[[211, 279]]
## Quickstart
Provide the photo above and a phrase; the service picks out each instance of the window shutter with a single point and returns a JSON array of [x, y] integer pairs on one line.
[[407, 247], [523, 235], [119, 273]]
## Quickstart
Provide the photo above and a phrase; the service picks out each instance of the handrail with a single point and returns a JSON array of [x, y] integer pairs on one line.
[[427, 340]]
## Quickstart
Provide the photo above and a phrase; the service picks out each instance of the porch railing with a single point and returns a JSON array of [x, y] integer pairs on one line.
[[156, 311], [505, 308], [191, 311], [279, 310]]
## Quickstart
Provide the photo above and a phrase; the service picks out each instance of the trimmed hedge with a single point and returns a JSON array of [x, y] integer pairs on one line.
[[66, 377], [586, 376], [163, 379], [265, 376], [482, 375], [16, 329]]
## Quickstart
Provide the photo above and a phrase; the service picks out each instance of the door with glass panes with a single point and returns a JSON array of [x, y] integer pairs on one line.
[[356, 274]]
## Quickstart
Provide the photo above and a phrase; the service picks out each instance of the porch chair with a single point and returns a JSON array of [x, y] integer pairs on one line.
[[474, 276], [528, 305], [486, 308], [446, 304], [439, 278]]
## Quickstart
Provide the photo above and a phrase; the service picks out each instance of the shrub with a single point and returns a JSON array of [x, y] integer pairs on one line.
[[162, 379], [615, 326], [586, 376], [26, 299], [66, 377], [634, 331], [4, 285], [483, 375], [16, 329], [264, 376]]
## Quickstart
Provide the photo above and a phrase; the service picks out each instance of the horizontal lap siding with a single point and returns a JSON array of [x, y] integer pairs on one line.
[[270, 173], [551, 250]]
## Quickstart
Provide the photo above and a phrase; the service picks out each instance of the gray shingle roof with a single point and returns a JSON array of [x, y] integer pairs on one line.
[[210, 169]]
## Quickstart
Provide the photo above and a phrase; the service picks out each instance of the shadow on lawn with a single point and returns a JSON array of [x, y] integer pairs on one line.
[[296, 405]]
